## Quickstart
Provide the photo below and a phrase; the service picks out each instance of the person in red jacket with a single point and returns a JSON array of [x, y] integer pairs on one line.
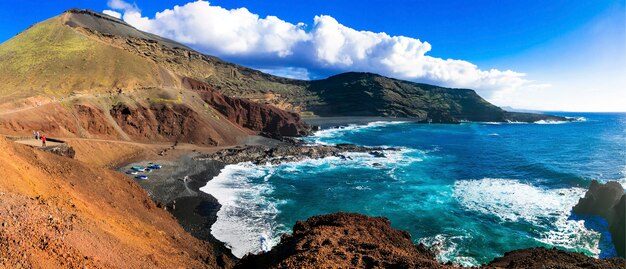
[[43, 140]]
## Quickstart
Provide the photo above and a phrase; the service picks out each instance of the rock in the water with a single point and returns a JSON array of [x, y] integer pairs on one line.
[[377, 154], [287, 153], [609, 202]]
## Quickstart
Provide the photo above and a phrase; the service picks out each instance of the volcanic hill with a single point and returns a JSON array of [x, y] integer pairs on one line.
[[86, 74]]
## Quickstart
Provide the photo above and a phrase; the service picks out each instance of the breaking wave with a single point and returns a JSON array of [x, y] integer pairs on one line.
[[513, 201], [246, 221], [338, 133]]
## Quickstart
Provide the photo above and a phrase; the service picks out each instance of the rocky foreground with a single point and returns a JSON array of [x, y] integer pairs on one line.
[[350, 240]]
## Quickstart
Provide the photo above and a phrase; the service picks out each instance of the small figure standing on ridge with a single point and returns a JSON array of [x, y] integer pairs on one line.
[[43, 140], [37, 135]]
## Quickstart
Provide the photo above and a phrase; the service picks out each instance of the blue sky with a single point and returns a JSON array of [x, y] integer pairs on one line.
[[549, 55]]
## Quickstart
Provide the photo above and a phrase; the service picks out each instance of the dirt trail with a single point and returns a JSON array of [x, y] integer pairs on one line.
[[37, 143]]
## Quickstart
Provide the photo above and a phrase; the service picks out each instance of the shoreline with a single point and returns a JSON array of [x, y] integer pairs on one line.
[[176, 186]]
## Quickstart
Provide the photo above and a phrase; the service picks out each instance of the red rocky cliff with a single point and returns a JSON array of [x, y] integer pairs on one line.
[[257, 117]]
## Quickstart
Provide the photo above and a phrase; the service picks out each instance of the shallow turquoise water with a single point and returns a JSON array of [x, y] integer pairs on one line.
[[472, 191]]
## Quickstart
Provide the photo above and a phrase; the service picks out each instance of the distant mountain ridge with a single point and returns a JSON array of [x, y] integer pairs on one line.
[[69, 75]]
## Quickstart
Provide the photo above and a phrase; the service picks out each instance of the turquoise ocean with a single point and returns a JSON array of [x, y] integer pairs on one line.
[[471, 191]]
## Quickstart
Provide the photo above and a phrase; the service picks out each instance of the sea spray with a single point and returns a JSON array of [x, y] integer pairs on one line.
[[513, 201]]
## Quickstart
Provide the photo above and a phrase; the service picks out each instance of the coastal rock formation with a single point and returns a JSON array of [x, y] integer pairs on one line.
[[257, 117], [350, 240], [367, 94], [288, 153], [609, 202], [344, 240]]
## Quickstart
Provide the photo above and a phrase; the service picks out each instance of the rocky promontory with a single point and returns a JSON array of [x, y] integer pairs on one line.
[[609, 202], [289, 153]]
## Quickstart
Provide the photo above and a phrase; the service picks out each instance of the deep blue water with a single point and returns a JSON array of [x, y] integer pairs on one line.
[[473, 191]]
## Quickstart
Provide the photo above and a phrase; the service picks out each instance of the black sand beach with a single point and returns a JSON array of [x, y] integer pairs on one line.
[[176, 187]]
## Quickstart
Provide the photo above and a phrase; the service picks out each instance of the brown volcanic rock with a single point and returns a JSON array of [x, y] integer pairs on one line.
[[52, 119], [94, 121], [344, 240], [553, 258], [171, 122], [254, 116]]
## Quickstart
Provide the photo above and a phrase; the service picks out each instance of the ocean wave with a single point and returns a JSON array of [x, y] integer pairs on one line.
[[246, 215], [577, 119], [244, 190], [512, 201], [446, 247], [334, 133]]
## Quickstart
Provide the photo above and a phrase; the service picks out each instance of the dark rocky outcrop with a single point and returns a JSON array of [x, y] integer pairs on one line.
[[350, 240], [254, 116], [61, 150], [552, 258], [609, 202], [532, 117], [288, 153]]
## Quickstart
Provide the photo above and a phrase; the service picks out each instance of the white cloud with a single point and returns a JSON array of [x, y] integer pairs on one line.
[[326, 45], [121, 5], [221, 31], [112, 13]]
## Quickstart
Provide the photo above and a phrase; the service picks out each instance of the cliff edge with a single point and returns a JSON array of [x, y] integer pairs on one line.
[[609, 202]]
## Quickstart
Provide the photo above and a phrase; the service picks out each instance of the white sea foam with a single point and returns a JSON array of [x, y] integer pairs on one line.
[[446, 249], [550, 122], [318, 136], [513, 201], [246, 214], [245, 222]]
